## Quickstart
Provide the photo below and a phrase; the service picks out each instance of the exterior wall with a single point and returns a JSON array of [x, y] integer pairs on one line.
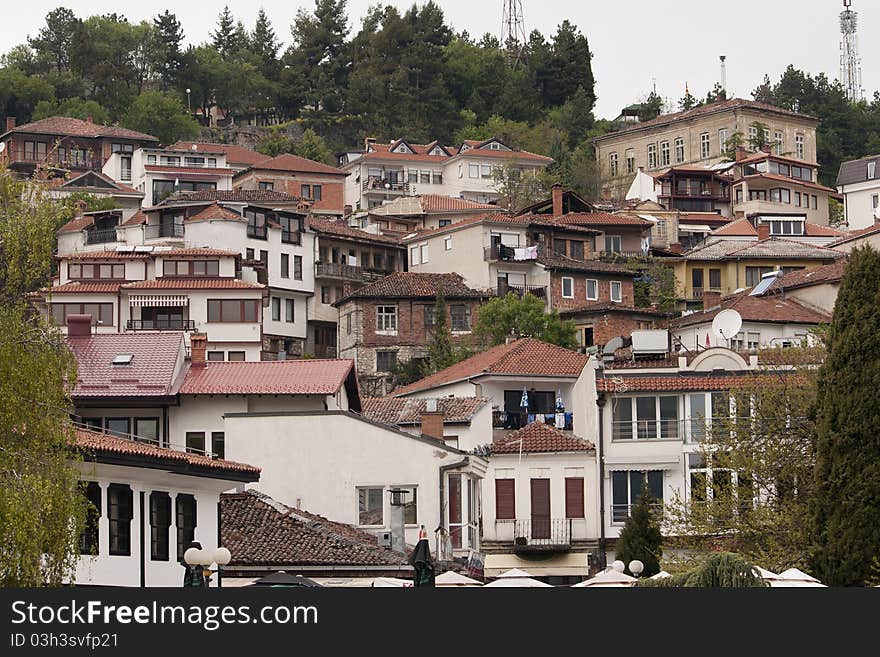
[[104, 569], [359, 452], [858, 204], [733, 272], [732, 120], [771, 334], [119, 309], [817, 297], [609, 325], [290, 182], [818, 216], [579, 289]]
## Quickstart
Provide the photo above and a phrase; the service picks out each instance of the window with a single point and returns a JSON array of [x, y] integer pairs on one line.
[[714, 279], [305, 191], [652, 156], [612, 163], [413, 176], [872, 170], [191, 268], [256, 224], [576, 249], [679, 150], [473, 170], [325, 294], [118, 426], [664, 153], [627, 485], [289, 308], [285, 265], [630, 160], [78, 271], [276, 309], [195, 442], [797, 199], [267, 186], [815, 202], [297, 267], [414, 255], [722, 140], [235, 356], [612, 244], [88, 539], [125, 167], [704, 145], [101, 313], [291, 229], [146, 429], [505, 502], [799, 146], [386, 319], [616, 291], [754, 274], [371, 507], [249, 254], [567, 287], [592, 289], [233, 310], [317, 192], [574, 497], [120, 511], [559, 247], [778, 142], [386, 361], [423, 253], [160, 522], [460, 317], [585, 336], [655, 417], [780, 195], [485, 171], [215, 356], [218, 444], [186, 522], [875, 201], [447, 243], [410, 506]]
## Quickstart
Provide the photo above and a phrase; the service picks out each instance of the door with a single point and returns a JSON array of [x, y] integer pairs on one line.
[[540, 508]]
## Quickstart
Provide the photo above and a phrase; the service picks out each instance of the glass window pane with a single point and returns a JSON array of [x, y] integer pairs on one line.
[[147, 429], [231, 310], [698, 416], [655, 484], [636, 483], [646, 417], [669, 417], [118, 426], [622, 424]]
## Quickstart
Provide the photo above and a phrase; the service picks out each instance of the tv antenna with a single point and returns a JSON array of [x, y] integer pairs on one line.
[[727, 324], [513, 31]]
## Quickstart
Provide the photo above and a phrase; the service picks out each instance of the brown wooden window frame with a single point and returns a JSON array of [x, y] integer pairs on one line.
[[503, 503], [216, 314]]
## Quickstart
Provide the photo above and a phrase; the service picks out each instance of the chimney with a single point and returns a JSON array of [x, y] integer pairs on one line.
[[711, 300], [741, 153], [766, 148], [432, 424], [198, 344], [79, 326], [89, 119], [510, 339], [557, 200], [79, 207], [368, 141], [10, 123], [346, 211], [763, 232]]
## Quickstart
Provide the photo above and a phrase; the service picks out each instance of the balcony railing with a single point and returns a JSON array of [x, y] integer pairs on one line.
[[380, 186], [542, 534], [692, 430], [349, 272], [157, 231], [100, 236], [620, 512], [509, 253], [539, 291], [160, 325], [694, 191], [29, 157], [516, 420], [291, 236]]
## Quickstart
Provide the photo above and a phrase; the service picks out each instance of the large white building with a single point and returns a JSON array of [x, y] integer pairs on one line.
[[859, 182]]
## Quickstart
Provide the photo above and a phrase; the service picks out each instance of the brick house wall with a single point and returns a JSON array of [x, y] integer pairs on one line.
[[332, 187], [560, 303]]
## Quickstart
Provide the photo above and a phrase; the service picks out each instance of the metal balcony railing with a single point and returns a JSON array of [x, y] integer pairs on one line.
[[157, 231], [539, 291], [100, 236], [160, 325], [508, 253], [256, 232], [620, 512], [382, 185], [542, 533], [692, 430]]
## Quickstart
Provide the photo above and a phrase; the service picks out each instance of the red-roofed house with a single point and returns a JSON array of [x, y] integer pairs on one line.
[[318, 183], [407, 214]]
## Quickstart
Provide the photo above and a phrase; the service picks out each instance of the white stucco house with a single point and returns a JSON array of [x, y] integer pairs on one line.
[[859, 182]]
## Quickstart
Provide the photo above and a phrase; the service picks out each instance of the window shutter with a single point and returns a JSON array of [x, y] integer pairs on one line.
[[574, 497], [505, 505]]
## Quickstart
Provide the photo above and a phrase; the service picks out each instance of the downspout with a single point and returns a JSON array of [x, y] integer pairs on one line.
[[141, 541], [443, 469], [219, 543], [603, 558]]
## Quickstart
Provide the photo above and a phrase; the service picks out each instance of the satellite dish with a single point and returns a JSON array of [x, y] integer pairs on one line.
[[2, 146], [727, 323], [612, 345]]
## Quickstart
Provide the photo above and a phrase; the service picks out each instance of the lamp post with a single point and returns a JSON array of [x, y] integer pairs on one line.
[[387, 187], [188, 104], [199, 561], [636, 567]]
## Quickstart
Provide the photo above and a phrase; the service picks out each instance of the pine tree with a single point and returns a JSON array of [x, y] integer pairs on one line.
[[846, 503], [265, 44], [170, 55], [687, 101], [441, 353], [227, 38], [640, 537]]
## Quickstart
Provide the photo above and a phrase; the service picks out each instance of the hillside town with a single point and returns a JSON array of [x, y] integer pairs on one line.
[[313, 365]]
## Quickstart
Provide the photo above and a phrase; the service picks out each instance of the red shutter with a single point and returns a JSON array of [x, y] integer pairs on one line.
[[505, 505], [574, 497]]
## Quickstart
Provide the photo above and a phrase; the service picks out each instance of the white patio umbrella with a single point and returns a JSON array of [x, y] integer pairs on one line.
[[767, 575], [386, 582], [793, 577], [514, 572], [661, 575], [457, 580], [516, 582], [610, 577]]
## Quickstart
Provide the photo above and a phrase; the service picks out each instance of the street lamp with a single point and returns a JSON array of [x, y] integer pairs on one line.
[[199, 562], [387, 187], [636, 567], [188, 104]]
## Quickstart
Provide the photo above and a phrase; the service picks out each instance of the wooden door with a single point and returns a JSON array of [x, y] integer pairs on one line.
[[540, 508]]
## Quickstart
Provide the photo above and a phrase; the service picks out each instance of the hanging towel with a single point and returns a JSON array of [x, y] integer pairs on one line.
[[560, 420], [519, 253], [532, 253], [352, 261]]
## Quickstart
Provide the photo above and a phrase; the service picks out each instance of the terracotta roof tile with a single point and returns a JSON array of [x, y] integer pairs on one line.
[[340, 229], [150, 373], [404, 410], [773, 248], [856, 234], [260, 531], [612, 307], [136, 219], [77, 287], [297, 164], [216, 211], [438, 203], [590, 266], [105, 255], [95, 442], [540, 437], [233, 196], [417, 285], [193, 284], [234, 154], [523, 357], [67, 126], [600, 219], [653, 383], [772, 308], [76, 224], [785, 179], [284, 377], [832, 273]]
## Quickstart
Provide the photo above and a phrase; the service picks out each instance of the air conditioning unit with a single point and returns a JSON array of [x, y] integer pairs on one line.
[[384, 539]]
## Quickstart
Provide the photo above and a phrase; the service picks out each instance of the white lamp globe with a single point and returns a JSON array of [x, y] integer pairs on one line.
[[222, 556], [205, 557], [618, 565], [636, 567], [191, 556]]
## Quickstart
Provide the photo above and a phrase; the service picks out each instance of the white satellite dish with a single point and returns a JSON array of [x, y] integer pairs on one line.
[[727, 323], [2, 146]]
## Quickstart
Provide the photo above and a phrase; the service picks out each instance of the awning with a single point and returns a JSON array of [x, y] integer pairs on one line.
[[560, 565], [616, 463], [162, 300], [648, 217], [694, 228]]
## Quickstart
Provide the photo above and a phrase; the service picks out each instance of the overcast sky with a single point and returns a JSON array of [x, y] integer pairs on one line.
[[634, 42]]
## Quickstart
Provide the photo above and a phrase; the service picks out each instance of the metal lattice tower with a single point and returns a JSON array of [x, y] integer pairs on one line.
[[513, 31], [850, 62]]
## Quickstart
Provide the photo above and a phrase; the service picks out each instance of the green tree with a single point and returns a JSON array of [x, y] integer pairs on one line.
[[57, 40], [717, 94], [640, 537], [313, 147], [169, 53], [162, 115], [20, 93], [845, 510], [265, 45], [731, 144], [759, 139], [41, 509], [276, 142], [510, 315], [651, 108], [518, 190], [441, 353], [720, 570], [687, 101], [74, 107], [229, 37], [655, 285]]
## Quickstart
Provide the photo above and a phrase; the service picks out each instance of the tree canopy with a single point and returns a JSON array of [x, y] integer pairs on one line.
[[510, 315]]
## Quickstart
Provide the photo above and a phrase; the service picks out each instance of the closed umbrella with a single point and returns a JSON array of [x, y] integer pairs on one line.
[[422, 564], [516, 578], [794, 578], [560, 410]]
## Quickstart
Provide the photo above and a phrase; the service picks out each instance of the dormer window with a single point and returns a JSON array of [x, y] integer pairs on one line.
[[403, 148], [872, 170], [438, 151]]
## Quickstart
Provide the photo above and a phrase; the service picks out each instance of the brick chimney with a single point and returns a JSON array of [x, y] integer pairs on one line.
[[741, 153], [79, 326], [198, 346], [557, 200], [763, 232], [432, 424], [711, 300], [89, 119], [10, 123], [346, 211]]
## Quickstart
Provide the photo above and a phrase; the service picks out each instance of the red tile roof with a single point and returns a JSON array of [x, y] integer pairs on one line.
[[260, 531], [296, 164], [105, 255], [76, 224], [857, 234], [653, 383], [151, 372], [771, 309], [438, 203], [194, 252], [420, 154], [284, 377], [76, 287], [233, 196], [590, 266], [832, 273], [599, 219], [612, 307], [234, 154], [523, 357], [94, 443], [340, 229], [773, 248], [404, 410], [785, 179], [136, 219], [216, 211], [193, 284], [67, 126], [400, 285], [506, 220], [539, 437], [761, 156]]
